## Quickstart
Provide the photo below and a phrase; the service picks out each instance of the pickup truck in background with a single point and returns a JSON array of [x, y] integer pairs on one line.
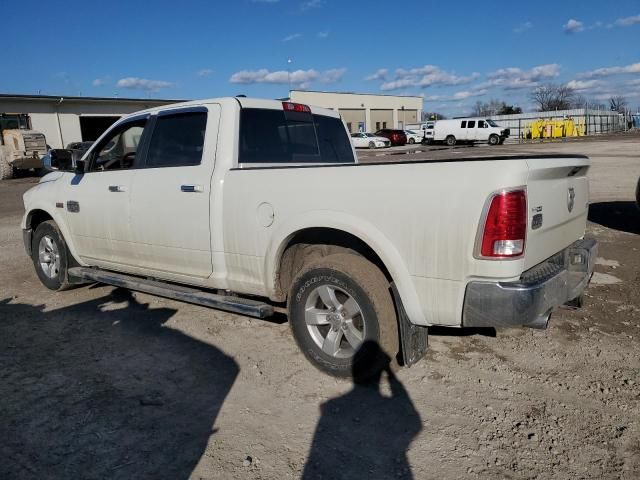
[[248, 205]]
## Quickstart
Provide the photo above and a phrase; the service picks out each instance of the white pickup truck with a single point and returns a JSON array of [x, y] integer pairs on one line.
[[247, 205]]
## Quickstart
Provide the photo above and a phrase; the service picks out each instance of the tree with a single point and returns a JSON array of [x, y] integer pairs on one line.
[[509, 109], [432, 116], [618, 104], [553, 97], [494, 107]]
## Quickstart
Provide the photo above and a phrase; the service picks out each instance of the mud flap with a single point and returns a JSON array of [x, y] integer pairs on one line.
[[413, 338]]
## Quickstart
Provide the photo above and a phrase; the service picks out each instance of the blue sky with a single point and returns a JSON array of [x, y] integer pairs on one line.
[[452, 53]]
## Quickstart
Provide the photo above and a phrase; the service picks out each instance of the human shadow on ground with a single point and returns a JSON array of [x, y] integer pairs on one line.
[[364, 433], [622, 216], [103, 389]]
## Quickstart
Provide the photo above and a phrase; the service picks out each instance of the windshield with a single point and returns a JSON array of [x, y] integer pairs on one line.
[[369, 135], [492, 123], [13, 121]]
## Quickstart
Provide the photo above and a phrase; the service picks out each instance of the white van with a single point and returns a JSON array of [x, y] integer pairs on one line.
[[462, 130]]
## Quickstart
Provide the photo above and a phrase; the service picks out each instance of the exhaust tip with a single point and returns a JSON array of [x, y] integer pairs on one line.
[[540, 323]]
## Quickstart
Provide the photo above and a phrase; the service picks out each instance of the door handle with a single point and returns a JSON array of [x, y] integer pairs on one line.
[[191, 188], [117, 188]]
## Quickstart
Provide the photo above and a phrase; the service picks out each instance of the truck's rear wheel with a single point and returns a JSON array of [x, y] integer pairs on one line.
[[450, 140], [49, 255], [494, 140], [340, 312]]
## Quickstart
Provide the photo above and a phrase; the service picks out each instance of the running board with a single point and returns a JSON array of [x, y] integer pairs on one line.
[[243, 306]]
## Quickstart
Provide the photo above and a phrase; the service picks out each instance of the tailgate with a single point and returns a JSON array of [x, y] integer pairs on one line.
[[558, 202]]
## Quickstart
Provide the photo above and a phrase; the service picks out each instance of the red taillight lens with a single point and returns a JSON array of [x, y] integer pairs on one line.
[[505, 228], [295, 107]]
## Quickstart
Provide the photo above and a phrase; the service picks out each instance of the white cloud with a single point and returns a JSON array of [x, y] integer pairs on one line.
[[205, 72], [523, 27], [513, 78], [143, 84], [323, 34], [98, 82], [468, 94], [627, 21], [293, 36], [573, 26], [380, 74], [582, 85], [300, 78], [608, 71], [426, 76], [309, 4]]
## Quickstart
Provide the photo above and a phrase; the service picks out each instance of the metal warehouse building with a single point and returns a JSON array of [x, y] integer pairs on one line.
[[73, 119], [364, 112]]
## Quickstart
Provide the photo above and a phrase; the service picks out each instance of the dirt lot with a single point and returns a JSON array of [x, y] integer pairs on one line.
[[97, 382]]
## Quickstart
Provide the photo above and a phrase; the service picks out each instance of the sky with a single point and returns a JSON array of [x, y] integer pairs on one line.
[[451, 53]]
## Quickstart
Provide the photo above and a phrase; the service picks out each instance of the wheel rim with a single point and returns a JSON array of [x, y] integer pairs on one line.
[[49, 256], [335, 321]]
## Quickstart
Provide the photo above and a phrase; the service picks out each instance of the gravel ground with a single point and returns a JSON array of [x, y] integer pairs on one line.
[[98, 382]]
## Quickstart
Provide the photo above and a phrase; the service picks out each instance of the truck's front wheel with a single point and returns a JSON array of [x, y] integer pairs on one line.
[[6, 170], [49, 255], [494, 140], [342, 316], [450, 140]]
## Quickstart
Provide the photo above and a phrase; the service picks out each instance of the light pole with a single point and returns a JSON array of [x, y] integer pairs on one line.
[[289, 76]]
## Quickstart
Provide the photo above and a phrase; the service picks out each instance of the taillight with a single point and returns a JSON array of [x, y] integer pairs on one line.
[[505, 227], [295, 107]]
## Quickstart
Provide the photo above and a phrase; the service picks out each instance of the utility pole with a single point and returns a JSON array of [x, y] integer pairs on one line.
[[289, 76]]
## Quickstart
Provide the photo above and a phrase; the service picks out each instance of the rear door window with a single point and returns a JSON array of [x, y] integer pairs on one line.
[[463, 124], [276, 136], [177, 140], [471, 124]]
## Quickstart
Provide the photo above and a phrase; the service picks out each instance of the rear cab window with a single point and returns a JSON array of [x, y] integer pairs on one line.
[[292, 137]]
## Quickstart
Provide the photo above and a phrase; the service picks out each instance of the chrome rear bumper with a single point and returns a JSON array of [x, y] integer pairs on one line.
[[529, 301]]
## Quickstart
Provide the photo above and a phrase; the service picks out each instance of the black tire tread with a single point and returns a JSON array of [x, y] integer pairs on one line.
[[375, 285]]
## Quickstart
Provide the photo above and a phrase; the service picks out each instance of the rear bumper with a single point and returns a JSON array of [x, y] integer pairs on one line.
[[529, 301]]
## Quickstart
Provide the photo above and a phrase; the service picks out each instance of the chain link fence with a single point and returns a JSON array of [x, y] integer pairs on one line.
[[541, 126]]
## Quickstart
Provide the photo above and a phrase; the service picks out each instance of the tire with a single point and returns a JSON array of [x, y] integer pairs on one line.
[[6, 171], [351, 280], [494, 140], [411, 141], [49, 248], [372, 145], [450, 140]]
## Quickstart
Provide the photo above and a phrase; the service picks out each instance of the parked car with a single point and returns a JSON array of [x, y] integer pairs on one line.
[[397, 137], [369, 140], [414, 136], [280, 210], [469, 130]]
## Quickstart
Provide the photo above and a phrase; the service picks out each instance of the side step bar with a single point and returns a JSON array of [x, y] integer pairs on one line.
[[243, 306]]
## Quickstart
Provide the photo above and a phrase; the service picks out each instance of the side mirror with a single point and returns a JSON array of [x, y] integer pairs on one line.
[[58, 159]]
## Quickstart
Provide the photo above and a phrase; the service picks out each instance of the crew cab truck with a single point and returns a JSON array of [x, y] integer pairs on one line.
[[246, 204]]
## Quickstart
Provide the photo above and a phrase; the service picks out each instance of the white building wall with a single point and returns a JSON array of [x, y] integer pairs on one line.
[[336, 101], [59, 118]]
